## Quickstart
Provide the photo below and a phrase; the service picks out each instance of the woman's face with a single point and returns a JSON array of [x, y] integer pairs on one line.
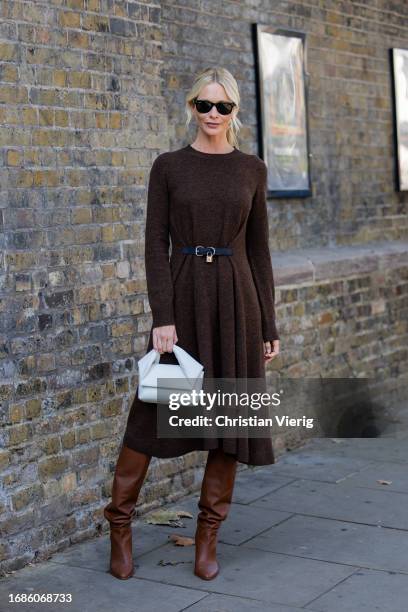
[[213, 123]]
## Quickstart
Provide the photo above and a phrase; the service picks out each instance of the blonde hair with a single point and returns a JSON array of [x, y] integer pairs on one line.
[[223, 77]]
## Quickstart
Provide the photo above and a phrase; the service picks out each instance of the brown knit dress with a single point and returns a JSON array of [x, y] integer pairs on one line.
[[222, 310]]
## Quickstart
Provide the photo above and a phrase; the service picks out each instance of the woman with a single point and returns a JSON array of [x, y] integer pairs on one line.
[[218, 306]]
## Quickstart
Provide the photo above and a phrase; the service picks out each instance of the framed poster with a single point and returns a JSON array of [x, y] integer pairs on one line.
[[283, 135], [399, 60]]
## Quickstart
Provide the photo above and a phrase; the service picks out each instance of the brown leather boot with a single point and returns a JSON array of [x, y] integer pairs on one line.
[[130, 472], [215, 500]]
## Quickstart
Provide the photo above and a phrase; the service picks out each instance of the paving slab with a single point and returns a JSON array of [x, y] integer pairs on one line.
[[92, 591], [251, 484], [243, 522], [315, 464], [327, 500], [394, 474], [255, 574], [365, 591], [337, 542], [373, 449], [227, 603], [95, 554]]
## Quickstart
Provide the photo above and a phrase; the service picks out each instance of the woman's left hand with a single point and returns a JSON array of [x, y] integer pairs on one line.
[[271, 350]]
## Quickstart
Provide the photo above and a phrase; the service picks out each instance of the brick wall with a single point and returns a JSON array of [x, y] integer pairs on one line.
[[350, 113], [90, 92], [82, 117]]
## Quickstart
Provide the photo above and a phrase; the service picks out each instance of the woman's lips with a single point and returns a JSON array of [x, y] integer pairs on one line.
[[212, 124]]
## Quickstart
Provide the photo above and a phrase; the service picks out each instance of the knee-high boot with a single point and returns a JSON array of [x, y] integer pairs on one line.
[[130, 472], [215, 501]]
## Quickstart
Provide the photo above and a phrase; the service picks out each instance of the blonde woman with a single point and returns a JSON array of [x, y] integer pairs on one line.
[[214, 296]]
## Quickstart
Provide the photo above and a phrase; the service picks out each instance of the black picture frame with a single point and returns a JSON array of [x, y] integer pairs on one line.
[[399, 71], [283, 129]]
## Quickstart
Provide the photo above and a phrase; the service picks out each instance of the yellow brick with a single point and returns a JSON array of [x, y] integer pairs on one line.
[[173, 82], [8, 52], [51, 445], [29, 116], [108, 233], [115, 121], [78, 40], [68, 482], [121, 329], [20, 261], [81, 215], [4, 459], [60, 78], [69, 20], [103, 215], [101, 120], [68, 439], [46, 362], [9, 73], [46, 116], [112, 408], [19, 434], [96, 23], [84, 435], [16, 413], [120, 231], [101, 430], [76, 5], [94, 6], [108, 270], [33, 408], [117, 159], [13, 94], [45, 178], [81, 80], [86, 295], [299, 310], [52, 466], [13, 158], [25, 178], [110, 291], [88, 235], [43, 138], [74, 178], [61, 118]]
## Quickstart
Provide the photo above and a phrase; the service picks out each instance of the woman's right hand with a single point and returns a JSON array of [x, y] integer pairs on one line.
[[164, 337]]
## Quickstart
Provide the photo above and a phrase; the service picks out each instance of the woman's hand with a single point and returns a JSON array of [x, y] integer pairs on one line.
[[164, 337], [270, 352]]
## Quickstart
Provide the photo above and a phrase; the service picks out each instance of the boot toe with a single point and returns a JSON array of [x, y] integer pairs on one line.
[[207, 571], [122, 573]]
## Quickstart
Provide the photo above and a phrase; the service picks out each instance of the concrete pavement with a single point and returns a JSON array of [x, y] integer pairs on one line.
[[314, 532]]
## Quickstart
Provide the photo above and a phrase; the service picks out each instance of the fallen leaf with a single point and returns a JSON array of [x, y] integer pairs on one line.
[[162, 562], [167, 517], [181, 540]]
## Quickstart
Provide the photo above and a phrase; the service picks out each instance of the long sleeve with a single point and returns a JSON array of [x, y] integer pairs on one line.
[[257, 243], [157, 242]]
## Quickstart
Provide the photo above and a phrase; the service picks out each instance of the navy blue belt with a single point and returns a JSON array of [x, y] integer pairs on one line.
[[209, 251]]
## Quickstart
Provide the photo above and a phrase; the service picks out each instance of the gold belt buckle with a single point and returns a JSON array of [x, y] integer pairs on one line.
[[209, 256]]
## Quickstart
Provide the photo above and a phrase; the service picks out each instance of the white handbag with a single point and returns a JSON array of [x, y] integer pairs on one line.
[[182, 378]]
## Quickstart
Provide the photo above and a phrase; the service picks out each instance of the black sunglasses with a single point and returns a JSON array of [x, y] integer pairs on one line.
[[204, 106]]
